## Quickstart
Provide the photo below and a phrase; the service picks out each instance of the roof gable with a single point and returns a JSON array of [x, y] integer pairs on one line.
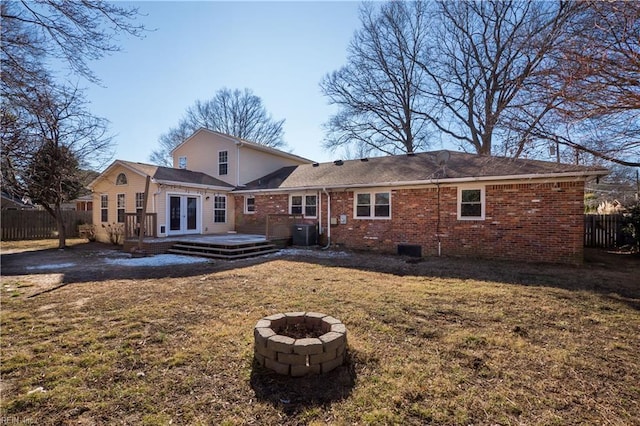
[[244, 143]]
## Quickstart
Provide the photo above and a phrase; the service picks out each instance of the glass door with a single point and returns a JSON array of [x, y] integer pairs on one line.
[[174, 213]]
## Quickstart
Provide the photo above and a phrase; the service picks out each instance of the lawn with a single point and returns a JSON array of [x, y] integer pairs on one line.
[[436, 341]]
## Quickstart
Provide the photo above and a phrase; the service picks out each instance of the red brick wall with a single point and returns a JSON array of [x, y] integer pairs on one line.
[[539, 222]]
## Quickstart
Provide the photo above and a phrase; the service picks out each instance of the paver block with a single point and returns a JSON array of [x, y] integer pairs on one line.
[[259, 359], [308, 346], [266, 352], [277, 320], [323, 357], [280, 343], [332, 340], [339, 328], [294, 318], [314, 319], [292, 359], [261, 335], [330, 365], [276, 366], [328, 321], [263, 323]]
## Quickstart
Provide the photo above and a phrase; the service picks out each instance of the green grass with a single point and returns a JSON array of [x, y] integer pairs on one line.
[[444, 341]]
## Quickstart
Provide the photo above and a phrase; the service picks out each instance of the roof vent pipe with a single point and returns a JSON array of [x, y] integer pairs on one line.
[[338, 162]]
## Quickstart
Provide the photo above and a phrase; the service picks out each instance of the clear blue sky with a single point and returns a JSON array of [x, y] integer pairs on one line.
[[280, 50]]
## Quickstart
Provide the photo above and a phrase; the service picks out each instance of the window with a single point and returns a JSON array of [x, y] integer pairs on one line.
[[296, 204], [120, 205], [304, 204], [121, 179], [374, 205], [249, 205], [223, 163], [471, 203], [182, 162], [139, 202], [310, 205], [104, 208], [220, 209]]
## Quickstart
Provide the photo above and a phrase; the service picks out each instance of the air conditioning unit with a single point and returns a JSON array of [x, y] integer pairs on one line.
[[305, 235]]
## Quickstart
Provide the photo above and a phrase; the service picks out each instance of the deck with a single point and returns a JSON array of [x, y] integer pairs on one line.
[[221, 246]]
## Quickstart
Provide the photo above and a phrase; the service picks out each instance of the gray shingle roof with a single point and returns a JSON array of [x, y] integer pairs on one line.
[[422, 167], [168, 174]]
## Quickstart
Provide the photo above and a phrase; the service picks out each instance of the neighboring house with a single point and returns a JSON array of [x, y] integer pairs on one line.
[[84, 203], [10, 202], [438, 202]]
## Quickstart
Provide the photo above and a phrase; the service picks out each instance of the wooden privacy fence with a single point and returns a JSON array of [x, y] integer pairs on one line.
[[604, 230], [38, 224]]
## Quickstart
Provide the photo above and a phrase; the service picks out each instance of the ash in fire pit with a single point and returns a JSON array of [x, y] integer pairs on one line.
[[300, 343]]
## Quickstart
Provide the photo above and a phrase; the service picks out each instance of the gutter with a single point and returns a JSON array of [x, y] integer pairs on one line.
[[434, 181], [193, 185]]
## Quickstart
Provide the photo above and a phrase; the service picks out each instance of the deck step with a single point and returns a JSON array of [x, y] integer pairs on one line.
[[223, 251]]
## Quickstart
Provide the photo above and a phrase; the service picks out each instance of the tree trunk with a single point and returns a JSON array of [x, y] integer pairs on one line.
[[62, 232]]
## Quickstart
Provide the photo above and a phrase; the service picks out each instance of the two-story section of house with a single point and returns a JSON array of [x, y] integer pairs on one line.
[[230, 159], [190, 198]]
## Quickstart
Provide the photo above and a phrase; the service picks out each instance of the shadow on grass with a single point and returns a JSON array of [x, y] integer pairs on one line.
[[615, 276], [294, 394]]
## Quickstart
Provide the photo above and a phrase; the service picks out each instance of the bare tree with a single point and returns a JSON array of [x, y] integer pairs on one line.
[[596, 76], [485, 61], [73, 31], [238, 113], [46, 139], [377, 92]]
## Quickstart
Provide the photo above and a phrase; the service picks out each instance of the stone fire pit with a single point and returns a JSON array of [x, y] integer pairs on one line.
[[300, 343]]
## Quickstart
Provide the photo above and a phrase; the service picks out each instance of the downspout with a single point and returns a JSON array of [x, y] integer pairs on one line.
[[319, 214], [438, 222], [328, 220], [238, 165]]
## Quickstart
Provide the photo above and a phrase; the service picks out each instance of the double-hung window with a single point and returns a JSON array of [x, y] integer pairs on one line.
[[104, 208], [373, 205], [249, 205], [306, 205], [223, 163], [121, 207], [220, 209], [471, 203]]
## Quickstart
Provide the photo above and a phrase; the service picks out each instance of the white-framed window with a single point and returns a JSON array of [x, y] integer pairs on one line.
[[373, 205], [121, 207], [121, 179], [471, 203], [249, 204], [223, 163], [306, 205], [182, 162], [139, 202], [220, 209], [104, 208]]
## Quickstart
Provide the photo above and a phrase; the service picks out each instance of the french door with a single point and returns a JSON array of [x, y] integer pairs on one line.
[[183, 214]]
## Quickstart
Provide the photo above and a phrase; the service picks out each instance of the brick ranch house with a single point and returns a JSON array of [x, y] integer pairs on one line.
[[443, 203]]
